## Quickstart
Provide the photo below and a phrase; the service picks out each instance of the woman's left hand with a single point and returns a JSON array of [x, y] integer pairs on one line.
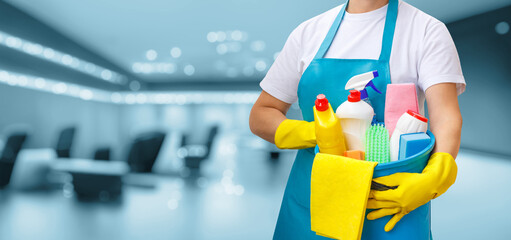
[[414, 189]]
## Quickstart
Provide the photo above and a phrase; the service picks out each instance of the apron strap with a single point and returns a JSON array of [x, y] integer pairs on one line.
[[388, 31], [327, 42]]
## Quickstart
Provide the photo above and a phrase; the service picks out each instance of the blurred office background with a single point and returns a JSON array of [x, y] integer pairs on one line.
[[129, 119]]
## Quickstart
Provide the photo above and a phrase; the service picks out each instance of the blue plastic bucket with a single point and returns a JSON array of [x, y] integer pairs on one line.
[[415, 225]]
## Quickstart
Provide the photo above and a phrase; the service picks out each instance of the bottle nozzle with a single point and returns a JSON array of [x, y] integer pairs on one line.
[[354, 96], [321, 103]]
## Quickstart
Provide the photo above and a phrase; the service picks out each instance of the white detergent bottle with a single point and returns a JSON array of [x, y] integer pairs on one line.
[[409, 122], [356, 117]]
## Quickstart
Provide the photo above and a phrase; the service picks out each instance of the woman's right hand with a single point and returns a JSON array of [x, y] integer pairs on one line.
[[268, 121]]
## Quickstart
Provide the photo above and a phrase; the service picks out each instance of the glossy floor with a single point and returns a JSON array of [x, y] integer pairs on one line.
[[237, 197]]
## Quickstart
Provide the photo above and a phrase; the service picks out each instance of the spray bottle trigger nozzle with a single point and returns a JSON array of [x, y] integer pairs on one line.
[[371, 84]]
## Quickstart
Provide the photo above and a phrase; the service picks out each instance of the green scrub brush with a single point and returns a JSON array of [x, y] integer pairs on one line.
[[377, 144]]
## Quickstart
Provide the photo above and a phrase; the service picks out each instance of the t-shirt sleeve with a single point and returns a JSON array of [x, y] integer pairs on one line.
[[283, 77], [439, 62]]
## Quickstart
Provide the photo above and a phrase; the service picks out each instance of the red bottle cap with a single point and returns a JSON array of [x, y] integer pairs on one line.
[[321, 103], [417, 115], [354, 96]]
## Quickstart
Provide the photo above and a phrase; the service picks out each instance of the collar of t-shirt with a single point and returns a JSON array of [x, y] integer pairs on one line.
[[372, 15]]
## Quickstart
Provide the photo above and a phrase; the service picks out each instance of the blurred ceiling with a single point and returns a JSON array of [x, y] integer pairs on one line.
[[169, 40]]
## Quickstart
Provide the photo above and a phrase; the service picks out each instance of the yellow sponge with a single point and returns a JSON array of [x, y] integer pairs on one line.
[[339, 190]]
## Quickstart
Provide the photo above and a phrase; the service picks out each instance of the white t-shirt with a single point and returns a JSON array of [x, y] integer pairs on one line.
[[423, 51]]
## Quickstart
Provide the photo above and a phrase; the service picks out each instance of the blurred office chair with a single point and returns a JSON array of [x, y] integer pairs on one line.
[[33, 169], [65, 142], [193, 155], [144, 151], [9, 154], [102, 153], [94, 180]]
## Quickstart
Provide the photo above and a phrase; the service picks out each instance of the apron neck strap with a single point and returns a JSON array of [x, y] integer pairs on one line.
[[388, 31]]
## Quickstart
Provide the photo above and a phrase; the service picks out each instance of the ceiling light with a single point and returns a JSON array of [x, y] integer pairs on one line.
[[53, 86], [130, 98], [66, 59], [13, 42], [134, 85], [48, 53], [212, 37], [502, 28], [154, 67], [22, 81], [116, 97], [237, 35], [151, 55], [89, 67], [86, 94], [260, 65], [39, 82], [258, 46], [55, 56], [221, 36], [141, 98], [106, 74], [222, 49], [189, 70], [175, 52], [59, 88]]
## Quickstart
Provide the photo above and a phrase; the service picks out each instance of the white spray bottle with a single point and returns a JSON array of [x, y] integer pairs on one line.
[[361, 82], [356, 117]]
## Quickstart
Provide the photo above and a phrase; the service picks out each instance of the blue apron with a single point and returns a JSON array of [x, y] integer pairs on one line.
[[329, 76]]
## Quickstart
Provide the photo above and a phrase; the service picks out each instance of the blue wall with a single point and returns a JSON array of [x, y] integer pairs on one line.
[[486, 61]]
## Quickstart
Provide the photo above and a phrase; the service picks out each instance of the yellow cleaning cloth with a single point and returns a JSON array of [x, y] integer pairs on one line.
[[339, 190]]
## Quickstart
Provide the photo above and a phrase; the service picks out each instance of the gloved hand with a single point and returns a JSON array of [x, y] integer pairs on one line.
[[295, 134], [414, 189]]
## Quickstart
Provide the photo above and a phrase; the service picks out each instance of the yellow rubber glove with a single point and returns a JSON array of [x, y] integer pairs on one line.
[[295, 134], [414, 189]]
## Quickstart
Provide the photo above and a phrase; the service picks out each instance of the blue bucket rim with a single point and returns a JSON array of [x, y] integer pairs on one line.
[[408, 160]]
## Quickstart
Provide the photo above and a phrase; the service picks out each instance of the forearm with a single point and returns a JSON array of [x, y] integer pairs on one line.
[[267, 114], [447, 131], [264, 122]]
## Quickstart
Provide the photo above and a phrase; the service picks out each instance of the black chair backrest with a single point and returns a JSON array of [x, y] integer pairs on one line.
[[65, 142], [102, 153], [213, 131], [8, 158], [184, 140], [144, 151]]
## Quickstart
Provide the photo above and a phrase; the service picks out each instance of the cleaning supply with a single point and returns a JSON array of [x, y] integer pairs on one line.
[[412, 143], [361, 82], [337, 198], [414, 189], [356, 117], [409, 122], [295, 134], [355, 154], [417, 223], [329, 136], [377, 144], [399, 99]]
